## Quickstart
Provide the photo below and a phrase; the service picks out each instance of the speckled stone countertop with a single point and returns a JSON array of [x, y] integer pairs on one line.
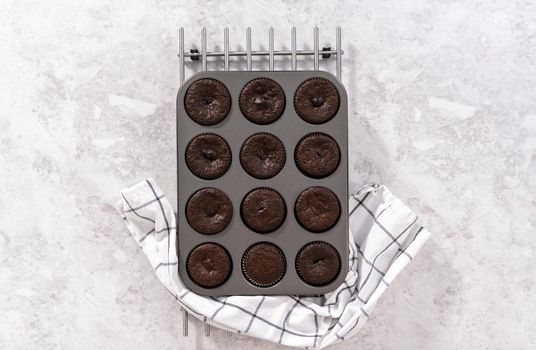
[[442, 108]]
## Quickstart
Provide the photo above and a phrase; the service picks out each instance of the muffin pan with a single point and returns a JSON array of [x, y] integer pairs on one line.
[[251, 219]]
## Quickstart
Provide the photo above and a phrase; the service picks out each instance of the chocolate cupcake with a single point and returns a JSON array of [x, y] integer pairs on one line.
[[208, 156], [209, 211], [316, 100], [262, 101], [207, 101], [317, 209], [262, 155], [209, 265], [318, 263], [317, 155], [263, 210], [264, 264]]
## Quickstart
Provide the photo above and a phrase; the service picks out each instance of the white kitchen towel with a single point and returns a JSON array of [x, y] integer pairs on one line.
[[384, 237]]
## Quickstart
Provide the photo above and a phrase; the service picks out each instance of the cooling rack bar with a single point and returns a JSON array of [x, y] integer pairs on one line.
[[315, 51], [226, 47], [293, 48], [196, 55], [202, 54], [248, 47], [181, 55], [339, 53]]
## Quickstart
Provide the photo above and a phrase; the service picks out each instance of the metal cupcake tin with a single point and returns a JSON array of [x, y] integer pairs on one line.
[[236, 183]]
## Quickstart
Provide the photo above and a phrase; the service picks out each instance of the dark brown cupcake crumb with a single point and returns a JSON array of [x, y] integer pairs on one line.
[[318, 263], [209, 211], [209, 265], [317, 155], [262, 155], [262, 101], [316, 100], [263, 264], [207, 101], [208, 156], [317, 209], [263, 210]]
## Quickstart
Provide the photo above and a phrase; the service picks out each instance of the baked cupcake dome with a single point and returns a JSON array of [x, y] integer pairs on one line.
[[262, 101], [209, 211], [263, 264], [209, 265], [317, 209], [316, 100], [207, 101], [317, 155], [318, 263], [262, 155], [263, 210], [208, 156]]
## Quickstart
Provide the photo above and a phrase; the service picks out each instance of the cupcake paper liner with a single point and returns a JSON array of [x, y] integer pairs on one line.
[[263, 188], [250, 279], [296, 154], [298, 89], [280, 143], [188, 218], [241, 101], [221, 117], [300, 273], [190, 165], [308, 229], [188, 265]]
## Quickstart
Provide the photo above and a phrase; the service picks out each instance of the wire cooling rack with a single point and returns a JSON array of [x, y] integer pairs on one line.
[[201, 54]]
